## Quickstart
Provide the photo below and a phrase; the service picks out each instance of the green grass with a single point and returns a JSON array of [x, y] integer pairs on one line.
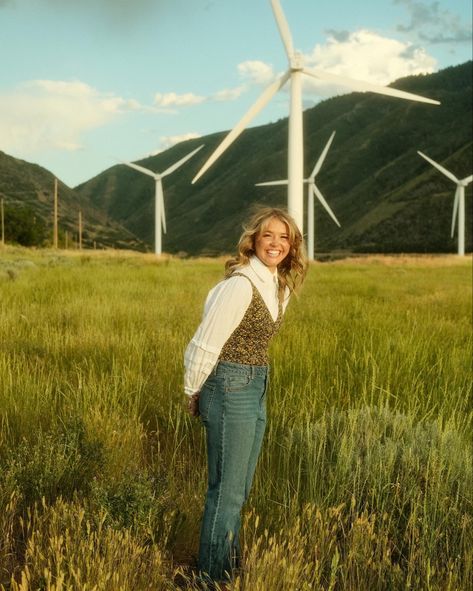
[[365, 477]]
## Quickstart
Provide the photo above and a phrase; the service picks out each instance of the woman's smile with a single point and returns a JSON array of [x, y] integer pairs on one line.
[[272, 244]]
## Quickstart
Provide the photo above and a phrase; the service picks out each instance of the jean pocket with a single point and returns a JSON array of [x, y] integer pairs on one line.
[[205, 400], [236, 382], [266, 387]]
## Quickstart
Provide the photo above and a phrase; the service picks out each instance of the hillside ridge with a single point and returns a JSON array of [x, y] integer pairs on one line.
[[387, 198]]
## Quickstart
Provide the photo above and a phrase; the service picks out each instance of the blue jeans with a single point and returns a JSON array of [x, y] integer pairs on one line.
[[233, 410]]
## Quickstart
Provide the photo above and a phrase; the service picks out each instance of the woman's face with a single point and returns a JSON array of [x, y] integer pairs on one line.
[[272, 243]]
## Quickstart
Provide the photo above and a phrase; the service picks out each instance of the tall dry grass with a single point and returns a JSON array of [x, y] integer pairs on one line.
[[365, 478]]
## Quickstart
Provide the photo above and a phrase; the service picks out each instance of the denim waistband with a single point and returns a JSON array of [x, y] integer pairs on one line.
[[251, 370]]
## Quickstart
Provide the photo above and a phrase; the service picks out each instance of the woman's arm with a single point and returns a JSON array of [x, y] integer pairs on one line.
[[224, 309]]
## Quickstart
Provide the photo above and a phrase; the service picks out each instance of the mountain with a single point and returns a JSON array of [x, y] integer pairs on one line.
[[387, 198], [27, 187]]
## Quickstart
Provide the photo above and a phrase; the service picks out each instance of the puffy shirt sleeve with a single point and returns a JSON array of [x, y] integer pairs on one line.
[[224, 309]]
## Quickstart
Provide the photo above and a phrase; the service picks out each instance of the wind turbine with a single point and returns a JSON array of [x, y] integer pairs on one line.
[[312, 190], [159, 213], [459, 202], [295, 143]]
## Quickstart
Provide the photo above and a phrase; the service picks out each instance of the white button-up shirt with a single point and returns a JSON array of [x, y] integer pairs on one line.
[[224, 309]]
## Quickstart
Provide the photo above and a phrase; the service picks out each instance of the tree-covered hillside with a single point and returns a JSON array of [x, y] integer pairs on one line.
[[28, 194], [387, 198]]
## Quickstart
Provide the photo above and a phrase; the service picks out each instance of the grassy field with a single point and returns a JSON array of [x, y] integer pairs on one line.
[[365, 479]]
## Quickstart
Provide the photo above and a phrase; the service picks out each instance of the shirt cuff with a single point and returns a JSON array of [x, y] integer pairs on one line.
[[190, 391]]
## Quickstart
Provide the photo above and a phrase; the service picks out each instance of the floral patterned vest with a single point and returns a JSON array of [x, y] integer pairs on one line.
[[249, 342]]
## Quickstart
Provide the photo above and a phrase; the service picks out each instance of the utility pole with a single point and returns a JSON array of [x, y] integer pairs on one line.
[[55, 241], [3, 223], [80, 229]]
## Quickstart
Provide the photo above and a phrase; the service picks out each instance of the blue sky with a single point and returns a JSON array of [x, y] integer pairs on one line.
[[84, 81]]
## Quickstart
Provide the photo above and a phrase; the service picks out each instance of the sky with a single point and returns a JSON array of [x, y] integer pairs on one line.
[[86, 82]]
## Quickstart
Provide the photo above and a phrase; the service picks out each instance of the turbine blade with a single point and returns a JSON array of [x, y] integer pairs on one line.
[[455, 210], [160, 197], [361, 86], [283, 27], [321, 198], [268, 183], [320, 161], [155, 175], [468, 180], [181, 162], [446, 172], [262, 101]]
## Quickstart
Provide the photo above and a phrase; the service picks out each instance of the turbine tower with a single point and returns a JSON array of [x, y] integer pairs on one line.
[[458, 203], [312, 190], [159, 213], [295, 142]]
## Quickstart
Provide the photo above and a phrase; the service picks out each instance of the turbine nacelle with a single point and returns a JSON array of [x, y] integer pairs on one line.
[[159, 213], [296, 62], [458, 203]]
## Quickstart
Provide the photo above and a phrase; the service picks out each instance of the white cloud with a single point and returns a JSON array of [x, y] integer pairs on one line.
[[256, 72], [53, 114], [134, 105], [367, 56], [362, 54], [229, 94], [252, 72], [167, 141], [171, 99], [188, 99]]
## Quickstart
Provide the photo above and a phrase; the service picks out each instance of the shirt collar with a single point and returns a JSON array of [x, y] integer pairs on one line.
[[262, 271]]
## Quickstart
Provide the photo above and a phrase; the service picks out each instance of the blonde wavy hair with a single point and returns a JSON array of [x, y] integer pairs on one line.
[[292, 270]]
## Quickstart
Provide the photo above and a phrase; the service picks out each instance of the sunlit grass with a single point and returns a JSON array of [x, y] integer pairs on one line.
[[365, 476]]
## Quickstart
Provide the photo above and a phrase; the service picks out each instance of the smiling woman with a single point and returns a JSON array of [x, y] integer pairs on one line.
[[272, 244], [227, 374]]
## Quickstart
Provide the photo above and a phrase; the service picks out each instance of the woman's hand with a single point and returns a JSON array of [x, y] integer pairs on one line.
[[193, 405]]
